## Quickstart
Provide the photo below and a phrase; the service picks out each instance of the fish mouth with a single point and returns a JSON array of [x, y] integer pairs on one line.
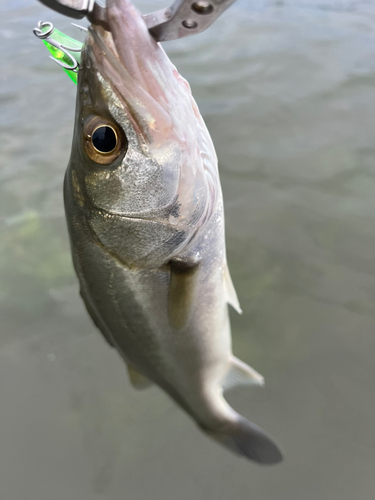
[[132, 40], [138, 70]]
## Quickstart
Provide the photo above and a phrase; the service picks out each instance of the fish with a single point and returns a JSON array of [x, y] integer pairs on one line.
[[145, 216]]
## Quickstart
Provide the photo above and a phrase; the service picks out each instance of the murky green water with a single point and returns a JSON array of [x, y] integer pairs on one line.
[[287, 89]]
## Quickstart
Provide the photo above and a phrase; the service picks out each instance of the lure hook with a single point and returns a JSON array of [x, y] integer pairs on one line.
[[74, 66], [62, 45]]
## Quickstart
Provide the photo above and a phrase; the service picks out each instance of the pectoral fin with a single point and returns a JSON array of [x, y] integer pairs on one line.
[[182, 286], [240, 373], [232, 298], [137, 379]]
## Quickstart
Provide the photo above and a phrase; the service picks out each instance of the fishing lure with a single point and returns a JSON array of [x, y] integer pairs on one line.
[[61, 47]]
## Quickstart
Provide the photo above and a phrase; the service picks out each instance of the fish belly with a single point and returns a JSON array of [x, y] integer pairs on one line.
[[132, 308]]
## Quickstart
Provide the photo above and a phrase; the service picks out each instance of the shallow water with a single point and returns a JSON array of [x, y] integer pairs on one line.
[[287, 89]]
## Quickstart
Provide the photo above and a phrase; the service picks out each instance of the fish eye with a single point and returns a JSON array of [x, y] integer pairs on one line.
[[103, 141]]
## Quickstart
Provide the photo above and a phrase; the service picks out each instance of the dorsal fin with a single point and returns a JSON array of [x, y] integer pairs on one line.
[[239, 373], [232, 298]]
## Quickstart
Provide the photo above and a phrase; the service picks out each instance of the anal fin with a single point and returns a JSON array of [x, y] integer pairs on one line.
[[137, 379], [239, 373], [232, 298]]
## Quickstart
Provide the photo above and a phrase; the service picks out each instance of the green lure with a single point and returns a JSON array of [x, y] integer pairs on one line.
[[64, 49]]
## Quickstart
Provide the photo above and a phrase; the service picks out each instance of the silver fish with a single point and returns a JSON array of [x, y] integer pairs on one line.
[[145, 216]]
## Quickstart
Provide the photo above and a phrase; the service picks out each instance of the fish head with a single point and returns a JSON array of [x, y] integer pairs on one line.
[[141, 149]]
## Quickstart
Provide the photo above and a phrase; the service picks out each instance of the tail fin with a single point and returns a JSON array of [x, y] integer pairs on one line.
[[239, 434], [247, 439]]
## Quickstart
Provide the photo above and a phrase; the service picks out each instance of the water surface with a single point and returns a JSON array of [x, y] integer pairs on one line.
[[287, 89]]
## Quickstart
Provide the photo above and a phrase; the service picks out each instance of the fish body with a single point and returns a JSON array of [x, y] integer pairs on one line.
[[146, 224]]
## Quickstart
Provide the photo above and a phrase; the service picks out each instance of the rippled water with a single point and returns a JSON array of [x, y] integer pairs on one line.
[[287, 89]]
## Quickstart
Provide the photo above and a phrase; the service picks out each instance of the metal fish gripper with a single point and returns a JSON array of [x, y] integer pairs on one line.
[[183, 18]]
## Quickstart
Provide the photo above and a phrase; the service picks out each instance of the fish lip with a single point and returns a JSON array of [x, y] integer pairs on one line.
[[100, 32], [101, 41]]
